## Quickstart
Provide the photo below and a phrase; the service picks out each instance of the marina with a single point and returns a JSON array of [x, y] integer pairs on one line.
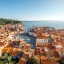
[[28, 39]]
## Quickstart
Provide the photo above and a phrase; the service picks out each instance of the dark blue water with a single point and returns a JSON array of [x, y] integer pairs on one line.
[[54, 24]]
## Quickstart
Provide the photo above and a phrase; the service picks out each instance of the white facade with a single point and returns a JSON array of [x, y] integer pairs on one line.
[[42, 41]]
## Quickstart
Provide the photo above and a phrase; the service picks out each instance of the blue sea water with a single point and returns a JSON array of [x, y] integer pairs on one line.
[[54, 24], [30, 24]]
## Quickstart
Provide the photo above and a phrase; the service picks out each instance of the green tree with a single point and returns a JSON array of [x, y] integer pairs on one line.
[[5, 59], [4, 56], [2, 62], [32, 60]]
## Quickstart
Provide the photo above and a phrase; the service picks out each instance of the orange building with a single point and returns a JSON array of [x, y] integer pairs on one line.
[[45, 60], [22, 61], [7, 50], [56, 54]]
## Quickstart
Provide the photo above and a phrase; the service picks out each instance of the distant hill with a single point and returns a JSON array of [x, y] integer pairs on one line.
[[8, 21]]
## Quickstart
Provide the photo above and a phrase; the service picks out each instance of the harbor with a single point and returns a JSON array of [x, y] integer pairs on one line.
[[28, 39]]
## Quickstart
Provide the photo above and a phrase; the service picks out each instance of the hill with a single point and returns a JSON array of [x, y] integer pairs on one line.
[[8, 21]]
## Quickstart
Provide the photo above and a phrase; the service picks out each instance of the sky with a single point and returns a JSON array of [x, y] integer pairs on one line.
[[32, 9]]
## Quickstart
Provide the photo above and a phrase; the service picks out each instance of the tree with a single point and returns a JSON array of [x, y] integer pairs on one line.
[[32, 60], [8, 21], [15, 59], [2, 62], [6, 58]]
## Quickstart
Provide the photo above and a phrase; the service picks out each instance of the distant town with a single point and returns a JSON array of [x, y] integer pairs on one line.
[[40, 45]]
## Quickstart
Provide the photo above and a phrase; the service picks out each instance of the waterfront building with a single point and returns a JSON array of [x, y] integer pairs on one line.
[[41, 40]]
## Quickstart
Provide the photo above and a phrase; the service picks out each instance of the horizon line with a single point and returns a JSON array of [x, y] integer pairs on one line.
[[31, 20]]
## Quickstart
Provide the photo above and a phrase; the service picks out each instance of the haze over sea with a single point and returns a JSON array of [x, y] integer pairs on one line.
[[54, 24]]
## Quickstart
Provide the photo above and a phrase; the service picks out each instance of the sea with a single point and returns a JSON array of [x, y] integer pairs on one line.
[[30, 24], [55, 24]]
